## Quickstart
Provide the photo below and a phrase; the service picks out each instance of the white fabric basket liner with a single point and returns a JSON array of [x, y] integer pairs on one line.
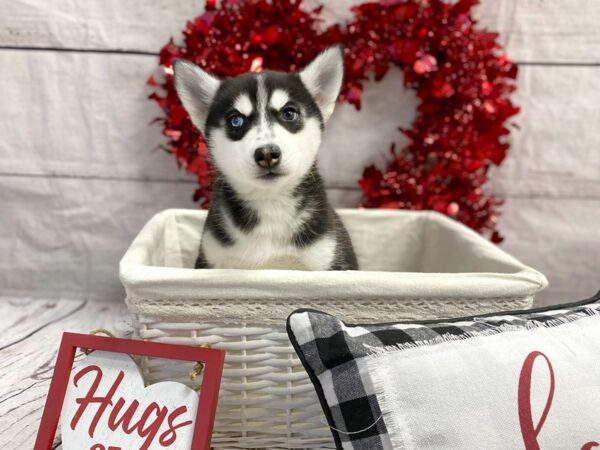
[[404, 256], [414, 265]]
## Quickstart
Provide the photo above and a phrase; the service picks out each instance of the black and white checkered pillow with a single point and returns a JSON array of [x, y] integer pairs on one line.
[[336, 354]]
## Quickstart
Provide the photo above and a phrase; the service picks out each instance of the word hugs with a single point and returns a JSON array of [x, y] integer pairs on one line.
[[107, 407]]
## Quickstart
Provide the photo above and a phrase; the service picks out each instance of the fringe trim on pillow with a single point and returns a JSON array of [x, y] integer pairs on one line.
[[530, 324], [396, 422]]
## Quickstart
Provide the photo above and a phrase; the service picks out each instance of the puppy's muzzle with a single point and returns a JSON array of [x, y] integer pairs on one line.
[[267, 157]]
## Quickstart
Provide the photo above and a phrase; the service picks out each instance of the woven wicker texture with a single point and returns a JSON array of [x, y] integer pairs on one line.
[[266, 398]]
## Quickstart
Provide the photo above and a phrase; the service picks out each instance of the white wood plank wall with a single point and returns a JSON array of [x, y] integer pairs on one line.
[[79, 177]]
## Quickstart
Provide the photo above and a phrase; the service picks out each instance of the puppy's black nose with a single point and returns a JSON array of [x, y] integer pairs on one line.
[[267, 156]]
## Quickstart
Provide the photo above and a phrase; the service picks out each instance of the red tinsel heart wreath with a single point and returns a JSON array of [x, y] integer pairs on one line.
[[460, 74]]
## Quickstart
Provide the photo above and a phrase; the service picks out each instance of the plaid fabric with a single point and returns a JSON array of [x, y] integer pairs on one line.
[[333, 354]]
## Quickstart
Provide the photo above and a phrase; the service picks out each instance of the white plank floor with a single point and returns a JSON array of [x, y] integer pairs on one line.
[[30, 333]]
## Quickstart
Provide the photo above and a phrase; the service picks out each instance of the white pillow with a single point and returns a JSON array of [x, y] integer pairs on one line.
[[527, 379]]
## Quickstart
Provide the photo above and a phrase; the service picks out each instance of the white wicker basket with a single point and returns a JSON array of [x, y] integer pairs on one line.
[[414, 265]]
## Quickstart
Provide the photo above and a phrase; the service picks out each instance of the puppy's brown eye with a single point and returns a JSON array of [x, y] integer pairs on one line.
[[290, 114]]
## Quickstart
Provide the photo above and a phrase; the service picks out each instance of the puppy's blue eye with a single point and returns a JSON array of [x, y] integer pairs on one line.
[[290, 114], [236, 121]]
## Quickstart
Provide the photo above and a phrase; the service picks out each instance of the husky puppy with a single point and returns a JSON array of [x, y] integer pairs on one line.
[[269, 209]]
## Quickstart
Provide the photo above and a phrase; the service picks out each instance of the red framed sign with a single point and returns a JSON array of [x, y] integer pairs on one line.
[[103, 397]]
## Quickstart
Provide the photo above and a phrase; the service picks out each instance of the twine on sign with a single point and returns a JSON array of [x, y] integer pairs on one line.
[[87, 351], [198, 367], [196, 371], [193, 374]]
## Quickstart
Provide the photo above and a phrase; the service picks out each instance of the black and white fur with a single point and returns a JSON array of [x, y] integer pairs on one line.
[[269, 209]]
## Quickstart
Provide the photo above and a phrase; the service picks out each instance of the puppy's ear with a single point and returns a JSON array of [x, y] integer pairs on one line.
[[323, 78], [196, 90]]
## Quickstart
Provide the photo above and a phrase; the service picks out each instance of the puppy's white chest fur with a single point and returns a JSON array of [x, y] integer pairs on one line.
[[269, 245]]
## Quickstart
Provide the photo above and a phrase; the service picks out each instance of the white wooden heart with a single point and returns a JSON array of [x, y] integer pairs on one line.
[[107, 407]]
